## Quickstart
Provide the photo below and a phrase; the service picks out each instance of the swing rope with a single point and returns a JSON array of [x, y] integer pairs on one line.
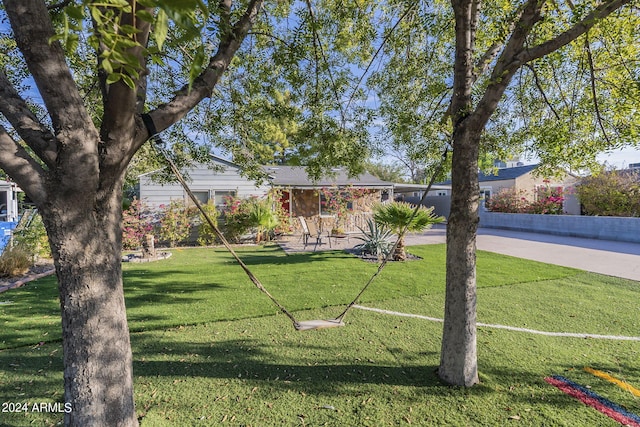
[[159, 145], [404, 230], [298, 325]]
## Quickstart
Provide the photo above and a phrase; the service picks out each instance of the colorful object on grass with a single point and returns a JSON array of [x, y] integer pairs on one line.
[[592, 399], [623, 385]]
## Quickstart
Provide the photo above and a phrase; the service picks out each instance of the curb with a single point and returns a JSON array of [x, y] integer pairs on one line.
[[26, 280]]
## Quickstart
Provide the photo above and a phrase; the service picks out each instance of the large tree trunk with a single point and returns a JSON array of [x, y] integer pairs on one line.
[[458, 363], [85, 237], [458, 357]]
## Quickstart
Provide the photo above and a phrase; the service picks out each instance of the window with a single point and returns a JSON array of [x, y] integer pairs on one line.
[[220, 196], [202, 196], [485, 194]]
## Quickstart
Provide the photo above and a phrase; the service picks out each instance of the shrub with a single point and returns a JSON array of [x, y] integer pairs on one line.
[[236, 217], [15, 261], [375, 240], [508, 200], [33, 239], [548, 201], [174, 222], [206, 235], [610, 194], [136, 223], [252, 214]]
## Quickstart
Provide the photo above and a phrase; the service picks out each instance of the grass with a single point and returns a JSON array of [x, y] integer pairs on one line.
[[209, 349]]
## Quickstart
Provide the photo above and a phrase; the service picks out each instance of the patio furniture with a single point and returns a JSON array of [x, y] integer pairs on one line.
[[310, 230]]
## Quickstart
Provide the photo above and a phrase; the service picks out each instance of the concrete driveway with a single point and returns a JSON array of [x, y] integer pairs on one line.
[[619, 259]]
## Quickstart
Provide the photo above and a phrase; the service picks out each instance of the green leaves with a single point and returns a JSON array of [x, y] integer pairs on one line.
[[118, 38], [398, 215]]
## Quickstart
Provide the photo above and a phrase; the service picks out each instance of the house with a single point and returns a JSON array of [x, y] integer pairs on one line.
[[215, 182], [349, 200], [524, 179], [520, 178], [9, 201], [298, 194]]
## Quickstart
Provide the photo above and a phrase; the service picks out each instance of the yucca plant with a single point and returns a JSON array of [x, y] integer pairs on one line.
[[375, 240], [398, 215]]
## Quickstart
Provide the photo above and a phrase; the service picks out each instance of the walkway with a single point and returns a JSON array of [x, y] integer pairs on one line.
[[619, 259]]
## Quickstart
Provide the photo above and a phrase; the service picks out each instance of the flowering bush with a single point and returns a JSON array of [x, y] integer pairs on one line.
[[339, 202], [136, 222], [174, 222], [236, 217], [508, 200], [613, 193], [284, 219], [547, 200], [242, 216]]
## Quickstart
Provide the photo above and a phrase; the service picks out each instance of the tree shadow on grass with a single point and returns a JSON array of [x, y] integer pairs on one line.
[[251, 361]]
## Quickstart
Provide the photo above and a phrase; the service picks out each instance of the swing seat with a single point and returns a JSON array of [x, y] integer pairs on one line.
[[307, 325]]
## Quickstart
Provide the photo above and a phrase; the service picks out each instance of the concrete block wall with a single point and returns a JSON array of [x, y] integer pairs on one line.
[[590, 227]]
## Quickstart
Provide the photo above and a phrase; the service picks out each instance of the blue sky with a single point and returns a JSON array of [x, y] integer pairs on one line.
[[620, 159]]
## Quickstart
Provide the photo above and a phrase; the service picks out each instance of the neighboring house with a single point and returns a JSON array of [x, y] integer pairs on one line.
[[9, 201], [519, 178], [299, 195], [524, 178]]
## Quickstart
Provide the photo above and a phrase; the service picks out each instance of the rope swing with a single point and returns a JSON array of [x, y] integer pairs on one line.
[[305, 325]]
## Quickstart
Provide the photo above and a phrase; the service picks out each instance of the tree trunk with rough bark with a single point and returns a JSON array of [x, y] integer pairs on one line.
[[74, 172], [86, 239], [458, 363]]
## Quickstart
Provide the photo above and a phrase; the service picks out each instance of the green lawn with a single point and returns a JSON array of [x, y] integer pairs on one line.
[[210, 349]]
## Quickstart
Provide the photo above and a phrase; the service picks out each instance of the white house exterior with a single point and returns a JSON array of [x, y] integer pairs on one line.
[[9, 201], [205, 182]]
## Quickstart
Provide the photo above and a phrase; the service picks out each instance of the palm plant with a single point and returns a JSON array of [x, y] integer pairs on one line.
[[400, 215], [262, 216]]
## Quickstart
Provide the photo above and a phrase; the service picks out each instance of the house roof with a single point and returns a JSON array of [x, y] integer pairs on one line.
[[296, 176], [506, 173], [502, 174]]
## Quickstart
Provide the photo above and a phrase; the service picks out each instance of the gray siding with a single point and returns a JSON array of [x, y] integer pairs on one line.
[[202, 179]]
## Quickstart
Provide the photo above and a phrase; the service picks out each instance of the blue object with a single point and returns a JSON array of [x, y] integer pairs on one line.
[[5, 233]]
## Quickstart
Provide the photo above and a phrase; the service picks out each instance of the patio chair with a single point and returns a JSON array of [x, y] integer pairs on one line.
[[310, 230]]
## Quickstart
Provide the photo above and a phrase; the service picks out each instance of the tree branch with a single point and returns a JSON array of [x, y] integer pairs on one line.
[[531, 13], [185, 99], [375, 55], [596, 15], [121, 100], [17, 112], [594, 92], [22, 168], [541, 90], [317, 42], [46, 62]]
